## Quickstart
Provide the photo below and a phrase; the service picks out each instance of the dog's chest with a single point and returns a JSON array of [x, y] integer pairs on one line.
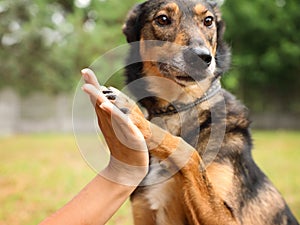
[[164, 198]]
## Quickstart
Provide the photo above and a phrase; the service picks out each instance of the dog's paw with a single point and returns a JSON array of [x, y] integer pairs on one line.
[[128, 107], [119, 99], [109, 94]]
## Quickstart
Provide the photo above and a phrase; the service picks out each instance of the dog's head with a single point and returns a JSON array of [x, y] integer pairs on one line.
[[181, 40]]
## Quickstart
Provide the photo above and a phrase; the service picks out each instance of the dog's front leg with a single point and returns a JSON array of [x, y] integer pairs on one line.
[[201, 203]]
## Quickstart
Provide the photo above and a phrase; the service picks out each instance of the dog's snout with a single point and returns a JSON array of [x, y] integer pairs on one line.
[[192, 56], [203, 54], [206, 58]]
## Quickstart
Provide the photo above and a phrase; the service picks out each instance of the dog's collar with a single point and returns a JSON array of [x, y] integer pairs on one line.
[[174, 107]]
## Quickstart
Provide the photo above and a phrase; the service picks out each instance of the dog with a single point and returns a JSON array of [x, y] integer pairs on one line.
[[202, 170]]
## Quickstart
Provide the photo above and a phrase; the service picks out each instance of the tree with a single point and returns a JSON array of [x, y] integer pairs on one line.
[[265, 39], [45, 43]]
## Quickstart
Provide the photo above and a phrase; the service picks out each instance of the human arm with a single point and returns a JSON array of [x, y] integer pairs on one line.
[[101, 198], [94, 204]]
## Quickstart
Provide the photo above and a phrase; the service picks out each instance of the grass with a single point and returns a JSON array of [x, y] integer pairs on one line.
[[278, 154], [40, 173]]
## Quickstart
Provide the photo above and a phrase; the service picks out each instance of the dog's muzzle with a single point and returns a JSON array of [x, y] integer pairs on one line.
[[197, 57]]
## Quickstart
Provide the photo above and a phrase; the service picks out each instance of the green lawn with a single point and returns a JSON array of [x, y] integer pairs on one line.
[[39, 173]]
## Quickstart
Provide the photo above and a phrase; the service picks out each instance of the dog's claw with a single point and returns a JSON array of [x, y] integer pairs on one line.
[[111, 97], [124, 110], [107, 92]]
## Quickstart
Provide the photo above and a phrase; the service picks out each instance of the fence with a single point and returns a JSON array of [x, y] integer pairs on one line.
[[36, 113], [43, 113]]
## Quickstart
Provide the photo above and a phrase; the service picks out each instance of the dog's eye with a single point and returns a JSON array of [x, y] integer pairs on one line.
[[208, 21], [163, 20]]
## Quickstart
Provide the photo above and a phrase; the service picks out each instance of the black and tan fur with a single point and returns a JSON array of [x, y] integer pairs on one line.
[[229, 190]]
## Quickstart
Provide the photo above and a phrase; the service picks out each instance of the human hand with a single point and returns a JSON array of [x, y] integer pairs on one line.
[[129, 154]]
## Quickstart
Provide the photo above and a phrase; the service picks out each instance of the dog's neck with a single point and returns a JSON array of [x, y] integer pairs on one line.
[[177, 106]]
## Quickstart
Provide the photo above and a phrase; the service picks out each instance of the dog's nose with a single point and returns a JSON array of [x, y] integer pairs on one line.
[[204, 54], [192, 56]]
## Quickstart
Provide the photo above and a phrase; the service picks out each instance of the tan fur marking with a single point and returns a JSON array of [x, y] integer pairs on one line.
[[234, 141], [151, 69], [181, 39], [221, 177], [214, 50], [149, 57], [173, 7], [160, 196], [198, 89], [142, 213], [200, 9]]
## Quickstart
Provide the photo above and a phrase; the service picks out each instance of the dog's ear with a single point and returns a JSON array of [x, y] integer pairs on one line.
[[132, 25]]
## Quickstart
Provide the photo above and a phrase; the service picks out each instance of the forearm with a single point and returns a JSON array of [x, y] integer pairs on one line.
[[95, 204]]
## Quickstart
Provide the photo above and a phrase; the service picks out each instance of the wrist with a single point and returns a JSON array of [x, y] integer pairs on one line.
[[123, 173]]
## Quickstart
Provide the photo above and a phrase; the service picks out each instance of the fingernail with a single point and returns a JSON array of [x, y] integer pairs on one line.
[[85, 74], [85, 70]]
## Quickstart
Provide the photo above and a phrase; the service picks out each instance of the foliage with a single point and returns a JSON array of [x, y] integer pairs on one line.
[[45, 43], [265, 39]]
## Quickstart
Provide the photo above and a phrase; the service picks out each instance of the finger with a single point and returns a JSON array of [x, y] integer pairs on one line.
[[115, 112], [114, 90], [97, 97], [90, 77], [111, 109], [120, 97], [123, 128], [119, 117]]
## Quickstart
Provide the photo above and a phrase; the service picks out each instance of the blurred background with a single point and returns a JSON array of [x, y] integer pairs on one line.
[[45, 43]]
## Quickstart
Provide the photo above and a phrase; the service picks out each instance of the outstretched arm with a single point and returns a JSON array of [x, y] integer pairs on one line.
[[95, 204], [101, 198]]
